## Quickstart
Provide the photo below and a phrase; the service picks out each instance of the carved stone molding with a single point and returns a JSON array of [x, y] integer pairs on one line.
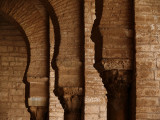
[[110, 64], [71, 99]]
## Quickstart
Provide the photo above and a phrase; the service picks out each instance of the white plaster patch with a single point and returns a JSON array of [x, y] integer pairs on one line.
[[152, 27]]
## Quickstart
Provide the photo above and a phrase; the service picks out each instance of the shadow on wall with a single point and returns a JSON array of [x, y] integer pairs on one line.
[[57, 35], [132, 92], [97, 37], [57, 38], [57, 46], [13, 22]]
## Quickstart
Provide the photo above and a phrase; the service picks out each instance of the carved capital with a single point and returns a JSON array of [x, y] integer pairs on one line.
[[38, 113], [117, 82], [72, 103], [71, 99]]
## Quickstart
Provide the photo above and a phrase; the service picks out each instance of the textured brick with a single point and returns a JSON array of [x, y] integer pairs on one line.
[[92, 109], [149, 109], [92, 94], [12, 68], [148, 92], [145, 74], [117, 30], [147, 116], [146, 101], [148, 83]]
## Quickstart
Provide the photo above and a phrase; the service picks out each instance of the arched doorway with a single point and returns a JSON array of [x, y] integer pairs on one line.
[[13, 64], [34, 23]]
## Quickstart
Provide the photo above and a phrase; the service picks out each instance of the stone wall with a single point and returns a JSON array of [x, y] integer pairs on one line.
[[147, 19], [13, 63]]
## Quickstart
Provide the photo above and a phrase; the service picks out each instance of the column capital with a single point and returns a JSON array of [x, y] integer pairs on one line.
[[117, 82], [71, 99], [38, 113]]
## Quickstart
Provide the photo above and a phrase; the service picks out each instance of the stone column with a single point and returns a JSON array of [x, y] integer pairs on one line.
[[38, 97], [71, 99], [117, 83], [113, 34], [68, 59]]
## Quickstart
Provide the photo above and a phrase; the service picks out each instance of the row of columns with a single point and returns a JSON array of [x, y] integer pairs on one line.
[[117, 80]]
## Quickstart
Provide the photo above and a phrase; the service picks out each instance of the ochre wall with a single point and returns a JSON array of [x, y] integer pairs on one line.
[[34, 23], [13, 62], [95, 93], [76, 57], [147, 19], [117, 28], [56, 112]]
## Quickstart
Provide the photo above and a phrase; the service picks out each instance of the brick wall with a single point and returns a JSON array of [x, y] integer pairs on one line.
[[69, 47], [118, 46], [95, 93], [13, 61], [116, 28], [33, 22], [70, 55], [147, 19], [31, 18], [56, 112]]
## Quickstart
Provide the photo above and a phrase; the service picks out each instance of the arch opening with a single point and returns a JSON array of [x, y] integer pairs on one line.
[[14, 61]]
